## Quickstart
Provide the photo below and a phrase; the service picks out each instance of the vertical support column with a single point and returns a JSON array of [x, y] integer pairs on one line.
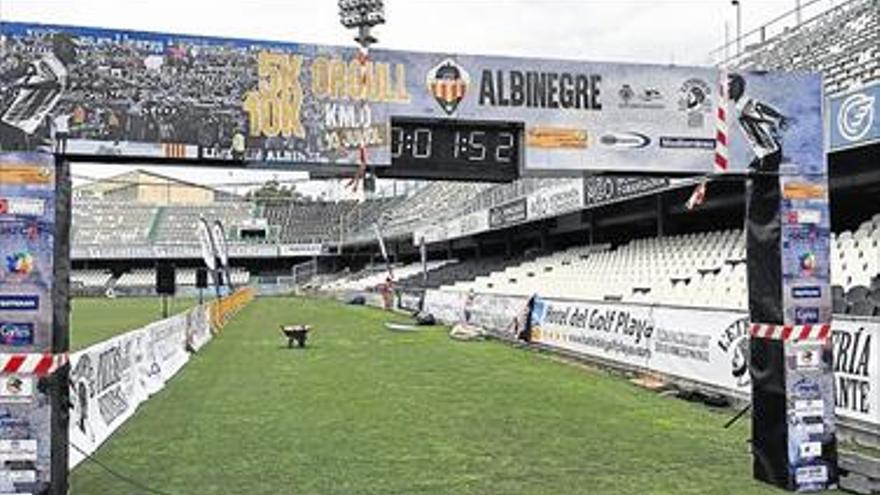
[[788, 242], [58, 383], [545, 235], [34, 309], [661, 215], [592, 228]]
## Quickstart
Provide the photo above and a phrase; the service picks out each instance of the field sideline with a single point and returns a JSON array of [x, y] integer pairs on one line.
[[367, 411], [96, 319]]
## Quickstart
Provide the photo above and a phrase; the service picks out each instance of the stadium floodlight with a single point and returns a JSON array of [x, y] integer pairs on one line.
[[362, 15]]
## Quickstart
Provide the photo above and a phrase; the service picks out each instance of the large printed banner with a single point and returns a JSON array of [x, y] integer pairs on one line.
[[27, 243], [109, 380], [709, 347], [703, 346], [446, 306], [503, 315], [119, 93], [27, 320]]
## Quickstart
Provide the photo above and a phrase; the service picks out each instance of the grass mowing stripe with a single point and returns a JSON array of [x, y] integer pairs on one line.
[[364, 410]]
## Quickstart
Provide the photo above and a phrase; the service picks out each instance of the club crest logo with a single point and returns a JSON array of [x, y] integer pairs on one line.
[[448, 83]]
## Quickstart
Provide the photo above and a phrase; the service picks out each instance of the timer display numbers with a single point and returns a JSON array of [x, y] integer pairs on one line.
[[454, 150]]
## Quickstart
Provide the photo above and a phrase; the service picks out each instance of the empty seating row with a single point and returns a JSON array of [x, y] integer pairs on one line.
[[700, 269]]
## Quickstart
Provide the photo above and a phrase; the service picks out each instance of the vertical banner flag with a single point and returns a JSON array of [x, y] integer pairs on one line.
[[423, 252], [219, 236], [383, 249], [207, 243]]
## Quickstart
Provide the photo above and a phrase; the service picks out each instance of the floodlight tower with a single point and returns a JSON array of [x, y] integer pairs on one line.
[[362, 15]]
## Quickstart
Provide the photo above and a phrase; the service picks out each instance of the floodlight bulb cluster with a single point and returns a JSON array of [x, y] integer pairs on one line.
[[361, 13]]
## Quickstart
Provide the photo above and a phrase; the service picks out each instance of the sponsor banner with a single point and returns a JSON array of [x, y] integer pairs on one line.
[[704, 346], [604, 189], [462, 226], [25, 449], [474, 223], [855, 118], [466, 225], [165, 345], [809, 385], [109, 380], [806, 250], [556, 200], [17, 388], [16, 334], [856, 345], [508, 214], [295, 103], [181, 251], [253, 251], [447, 307], [199, 328], [227, 307], [105, 390], [300, 249], [27, 243], [504, 315]]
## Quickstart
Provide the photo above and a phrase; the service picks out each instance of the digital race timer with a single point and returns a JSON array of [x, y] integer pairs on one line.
[[454, 149]]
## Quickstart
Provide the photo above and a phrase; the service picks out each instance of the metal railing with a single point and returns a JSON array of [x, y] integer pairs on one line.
[[808, 14]]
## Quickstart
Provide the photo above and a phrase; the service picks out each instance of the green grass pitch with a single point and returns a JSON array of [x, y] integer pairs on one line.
[[364, 410], [94, 320]]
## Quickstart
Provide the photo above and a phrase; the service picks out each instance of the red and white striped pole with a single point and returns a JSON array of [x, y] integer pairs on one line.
[[721, 162]]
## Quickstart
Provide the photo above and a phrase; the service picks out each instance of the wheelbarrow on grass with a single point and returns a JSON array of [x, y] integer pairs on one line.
[[296, 333]]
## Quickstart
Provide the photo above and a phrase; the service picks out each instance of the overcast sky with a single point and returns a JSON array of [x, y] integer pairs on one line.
[[658, 31]]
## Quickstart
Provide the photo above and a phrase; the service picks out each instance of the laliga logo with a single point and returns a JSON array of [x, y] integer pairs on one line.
[[856, 116]]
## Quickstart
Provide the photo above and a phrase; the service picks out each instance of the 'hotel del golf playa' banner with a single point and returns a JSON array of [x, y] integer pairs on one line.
[[110, 93], [706, 347]]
